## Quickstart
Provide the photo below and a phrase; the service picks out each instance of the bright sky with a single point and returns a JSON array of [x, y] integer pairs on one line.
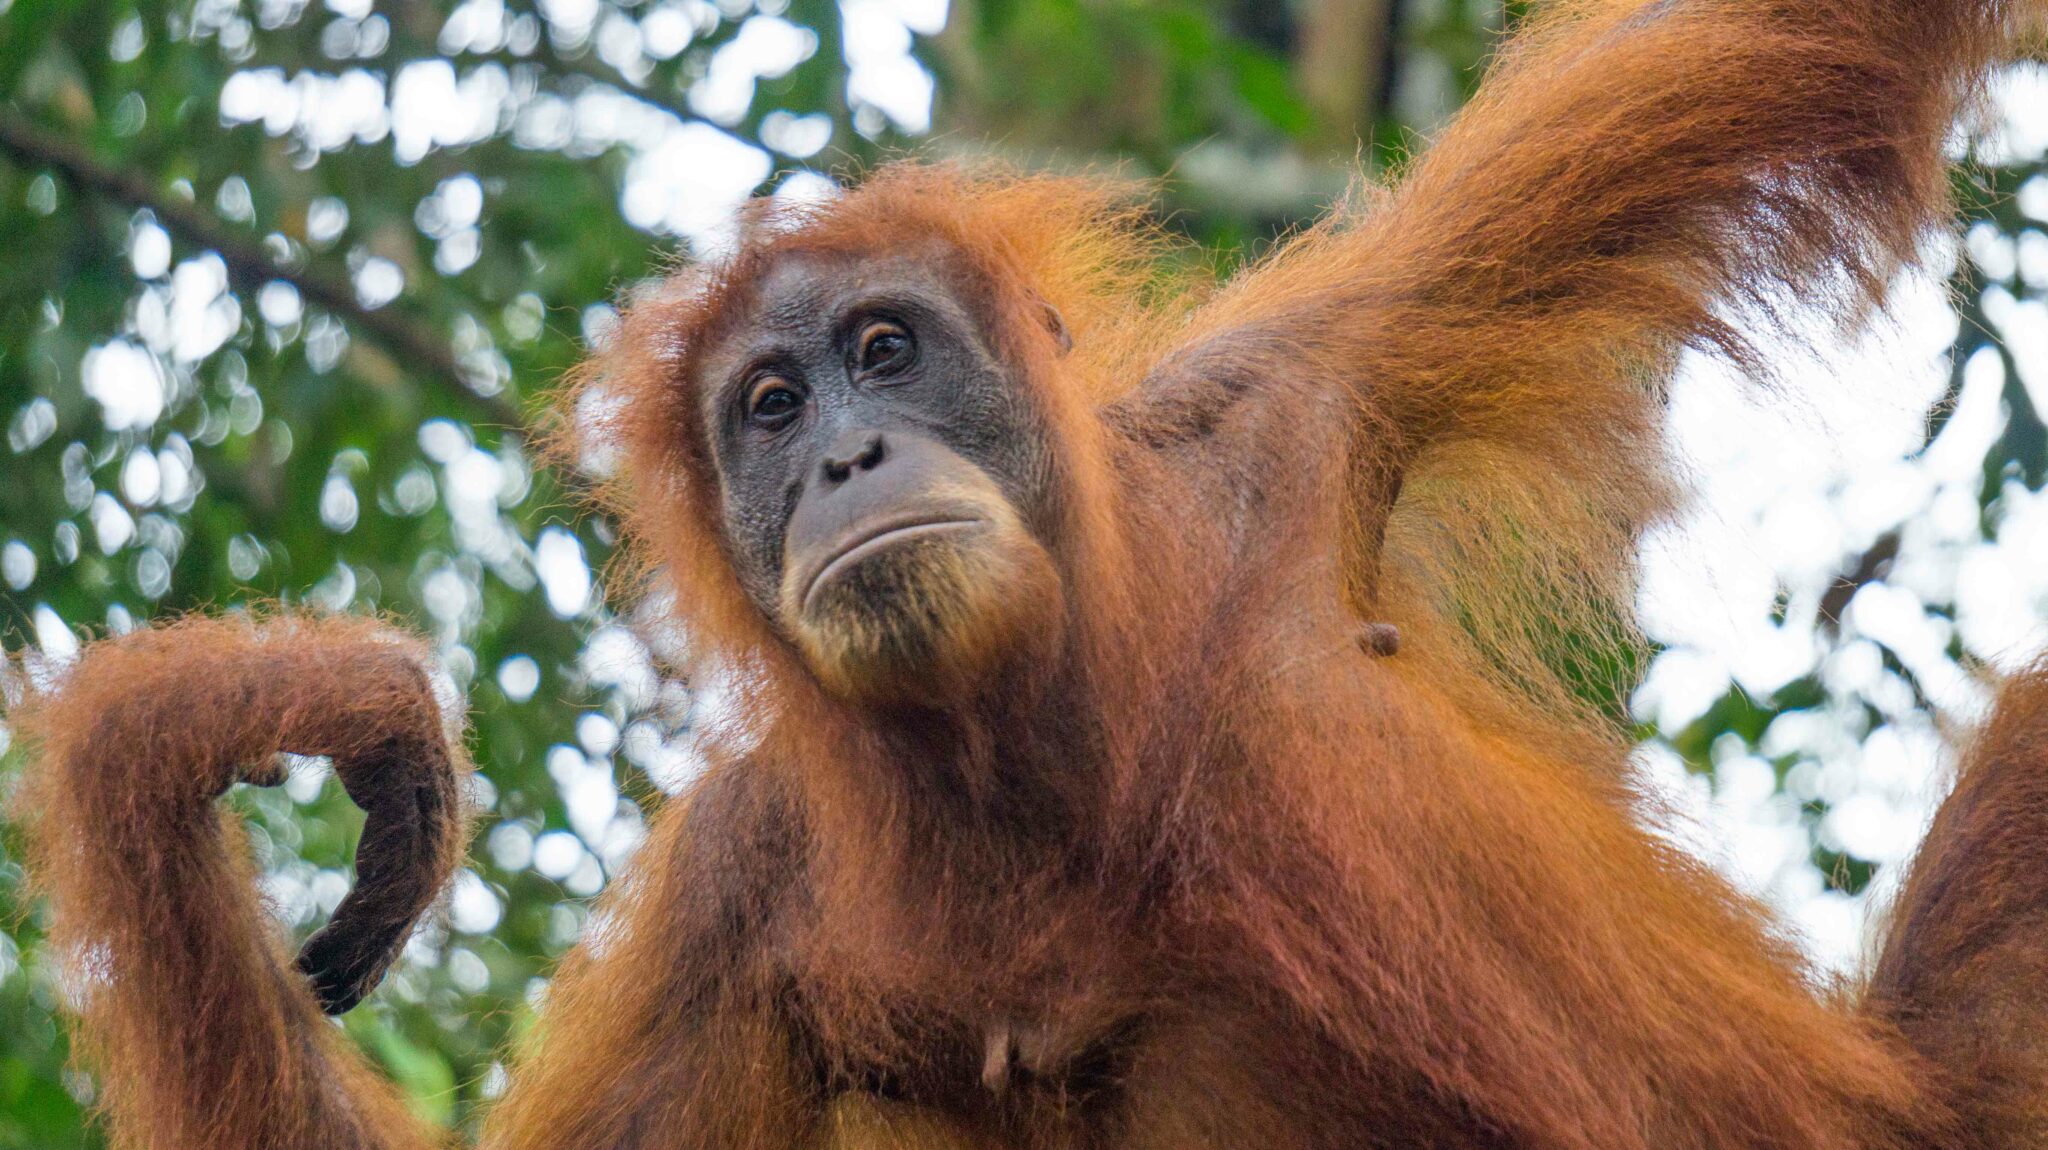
[[1791, 492]]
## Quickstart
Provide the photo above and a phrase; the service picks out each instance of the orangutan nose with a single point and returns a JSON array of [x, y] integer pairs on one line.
[[853, 451]]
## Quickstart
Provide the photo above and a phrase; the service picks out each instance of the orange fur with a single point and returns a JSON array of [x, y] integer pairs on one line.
[[1963, 971], [1214, 873], [204, 1034]]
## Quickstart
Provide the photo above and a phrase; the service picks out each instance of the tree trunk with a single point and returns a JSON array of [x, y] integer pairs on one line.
[[1341, 59]]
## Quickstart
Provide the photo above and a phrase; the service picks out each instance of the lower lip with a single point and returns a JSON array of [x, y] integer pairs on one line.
[[876, 543]]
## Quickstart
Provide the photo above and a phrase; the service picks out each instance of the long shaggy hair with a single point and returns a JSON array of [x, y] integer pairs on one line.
[[1221, 873]]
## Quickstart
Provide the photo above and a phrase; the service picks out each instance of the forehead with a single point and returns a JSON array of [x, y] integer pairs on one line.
[[800, 295]]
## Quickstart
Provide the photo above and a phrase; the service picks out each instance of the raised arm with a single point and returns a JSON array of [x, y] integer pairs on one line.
[[1629, 173], [1634, 178], [203, 1031]]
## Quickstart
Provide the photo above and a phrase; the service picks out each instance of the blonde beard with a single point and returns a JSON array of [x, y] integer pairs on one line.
[[932, 616]]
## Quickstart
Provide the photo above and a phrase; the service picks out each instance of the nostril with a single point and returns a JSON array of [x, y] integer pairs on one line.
[[871, 453], [864, 451]]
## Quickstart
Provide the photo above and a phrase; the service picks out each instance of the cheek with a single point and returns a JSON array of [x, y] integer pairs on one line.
[[753, 535], [1031, 477], [756, 506], [1011, 439]]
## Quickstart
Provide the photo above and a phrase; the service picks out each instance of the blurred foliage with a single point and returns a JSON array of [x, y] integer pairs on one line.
[[1128, 78], [341, 321], [1215, 95], [1999, 191]]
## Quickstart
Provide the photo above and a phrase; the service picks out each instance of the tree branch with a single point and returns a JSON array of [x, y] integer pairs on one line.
[[250, 263], [1870, 567], [1341, 59]]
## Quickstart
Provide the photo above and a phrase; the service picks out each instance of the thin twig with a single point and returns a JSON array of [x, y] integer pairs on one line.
[[1870, 567], [250, 263]]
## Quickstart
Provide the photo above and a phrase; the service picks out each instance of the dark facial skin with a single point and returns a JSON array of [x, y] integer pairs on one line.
[[833, 348], [867, 436]]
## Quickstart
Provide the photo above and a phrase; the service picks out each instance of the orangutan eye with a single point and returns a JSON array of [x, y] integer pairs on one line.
[[886, 347], [773, 401]]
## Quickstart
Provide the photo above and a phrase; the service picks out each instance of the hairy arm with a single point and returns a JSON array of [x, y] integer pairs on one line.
[[1487, 343], [204, 1033], [1630, 172]]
